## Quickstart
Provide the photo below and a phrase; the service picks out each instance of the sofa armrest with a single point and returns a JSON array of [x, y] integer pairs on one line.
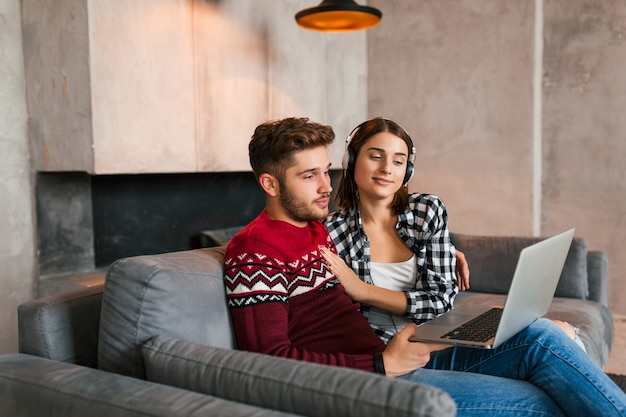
[[62, 327], [288, 385], [34, 386], [598, 277]]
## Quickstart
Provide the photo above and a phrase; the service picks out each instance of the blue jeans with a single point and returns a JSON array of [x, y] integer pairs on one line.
[[538, 372]]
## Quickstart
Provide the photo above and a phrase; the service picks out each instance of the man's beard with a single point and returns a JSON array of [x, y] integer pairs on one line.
[[298, 209]]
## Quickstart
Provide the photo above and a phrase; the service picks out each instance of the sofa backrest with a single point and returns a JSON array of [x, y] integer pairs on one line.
[[492, 261], [178, 294]]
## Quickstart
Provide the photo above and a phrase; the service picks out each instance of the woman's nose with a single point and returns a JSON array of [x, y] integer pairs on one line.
[[385, 166]]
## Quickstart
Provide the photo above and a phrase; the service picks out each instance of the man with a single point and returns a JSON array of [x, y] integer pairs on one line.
[[284, 301]]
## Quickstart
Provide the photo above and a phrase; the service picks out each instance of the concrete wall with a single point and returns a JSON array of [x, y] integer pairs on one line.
[[584, 128], [516, 108], [16, 195], [156, 86], [459, 79]]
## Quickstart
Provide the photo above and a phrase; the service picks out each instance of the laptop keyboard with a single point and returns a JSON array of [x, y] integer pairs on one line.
[[479, 329]]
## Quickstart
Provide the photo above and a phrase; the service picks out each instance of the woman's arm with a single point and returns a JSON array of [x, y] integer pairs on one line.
[[462, 271], [393, 301], [426, 229]]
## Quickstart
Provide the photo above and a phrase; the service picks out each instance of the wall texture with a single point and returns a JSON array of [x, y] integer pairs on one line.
[[168, 86], [16, 202], [584, 129], [461, 76]]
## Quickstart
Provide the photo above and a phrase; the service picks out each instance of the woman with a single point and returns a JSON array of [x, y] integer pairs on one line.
[[401, 269], [390, 238]]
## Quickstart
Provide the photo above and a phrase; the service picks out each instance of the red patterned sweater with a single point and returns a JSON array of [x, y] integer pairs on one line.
[[284, 301]]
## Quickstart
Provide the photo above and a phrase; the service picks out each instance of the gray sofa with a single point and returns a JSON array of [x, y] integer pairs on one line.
[[156, 340]]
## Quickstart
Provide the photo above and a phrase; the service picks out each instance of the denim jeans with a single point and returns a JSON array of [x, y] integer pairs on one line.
[[538, 372]]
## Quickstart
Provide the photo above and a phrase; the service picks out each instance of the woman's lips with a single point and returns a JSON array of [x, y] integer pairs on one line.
[[382, 181]]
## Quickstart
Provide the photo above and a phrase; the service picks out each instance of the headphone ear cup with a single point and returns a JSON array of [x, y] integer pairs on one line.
[[410, 169], [347, 161]]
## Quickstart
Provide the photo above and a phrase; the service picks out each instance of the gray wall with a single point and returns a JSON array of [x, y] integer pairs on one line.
[[17, 257], [516, 108], [584, 129], [157, 86]]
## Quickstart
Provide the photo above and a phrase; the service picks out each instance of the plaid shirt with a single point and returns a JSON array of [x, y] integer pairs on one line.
[[424, 229]]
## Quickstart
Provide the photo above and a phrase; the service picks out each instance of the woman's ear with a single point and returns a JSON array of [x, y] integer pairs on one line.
[[269, 184]]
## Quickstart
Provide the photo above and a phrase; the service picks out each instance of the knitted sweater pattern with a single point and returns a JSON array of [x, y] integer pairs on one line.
[[285, 301]]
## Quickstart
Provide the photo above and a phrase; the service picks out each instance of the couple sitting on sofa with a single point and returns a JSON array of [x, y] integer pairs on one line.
[[290, 295]]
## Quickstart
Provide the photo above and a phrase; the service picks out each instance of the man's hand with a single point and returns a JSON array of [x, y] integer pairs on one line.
[[403, 356], [462, 271]]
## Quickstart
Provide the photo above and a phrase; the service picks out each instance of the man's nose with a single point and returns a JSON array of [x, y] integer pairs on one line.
[[326, 186]]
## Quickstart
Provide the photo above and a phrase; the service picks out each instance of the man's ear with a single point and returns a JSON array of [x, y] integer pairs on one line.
[[269, 183]]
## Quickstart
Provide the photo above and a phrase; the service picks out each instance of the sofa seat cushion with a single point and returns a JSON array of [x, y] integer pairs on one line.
[[180, 294], [593, 319], [492, 261], [288, 385]]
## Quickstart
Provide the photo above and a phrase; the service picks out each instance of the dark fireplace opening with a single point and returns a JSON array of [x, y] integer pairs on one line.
[[146, 214], [86, 222]]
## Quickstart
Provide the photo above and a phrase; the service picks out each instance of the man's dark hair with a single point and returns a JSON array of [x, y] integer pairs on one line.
[[274, 143]]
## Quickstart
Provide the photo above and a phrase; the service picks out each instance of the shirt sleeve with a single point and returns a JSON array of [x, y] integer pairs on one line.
[[436, 285]]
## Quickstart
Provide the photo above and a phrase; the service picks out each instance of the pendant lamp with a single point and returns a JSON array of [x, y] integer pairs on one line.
[[338, 16]]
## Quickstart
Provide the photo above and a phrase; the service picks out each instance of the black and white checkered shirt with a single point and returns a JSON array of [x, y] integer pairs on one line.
[[424, 229]]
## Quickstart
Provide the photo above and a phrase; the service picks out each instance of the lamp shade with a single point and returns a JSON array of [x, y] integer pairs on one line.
[[338, 16]]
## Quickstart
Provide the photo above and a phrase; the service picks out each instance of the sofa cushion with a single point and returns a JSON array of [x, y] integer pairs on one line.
[[34, 386], [492, 261], [598, 276], [62, 327], [593, 319], [288, 385], [180, 294]]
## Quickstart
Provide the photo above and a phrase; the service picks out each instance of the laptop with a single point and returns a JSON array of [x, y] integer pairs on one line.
[[534, 282]]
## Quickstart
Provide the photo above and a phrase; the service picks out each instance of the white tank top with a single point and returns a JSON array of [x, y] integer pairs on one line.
[[396, 276]]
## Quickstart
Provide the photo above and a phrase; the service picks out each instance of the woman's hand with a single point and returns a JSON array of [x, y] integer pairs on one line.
[[462, 271], [353, 285]]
